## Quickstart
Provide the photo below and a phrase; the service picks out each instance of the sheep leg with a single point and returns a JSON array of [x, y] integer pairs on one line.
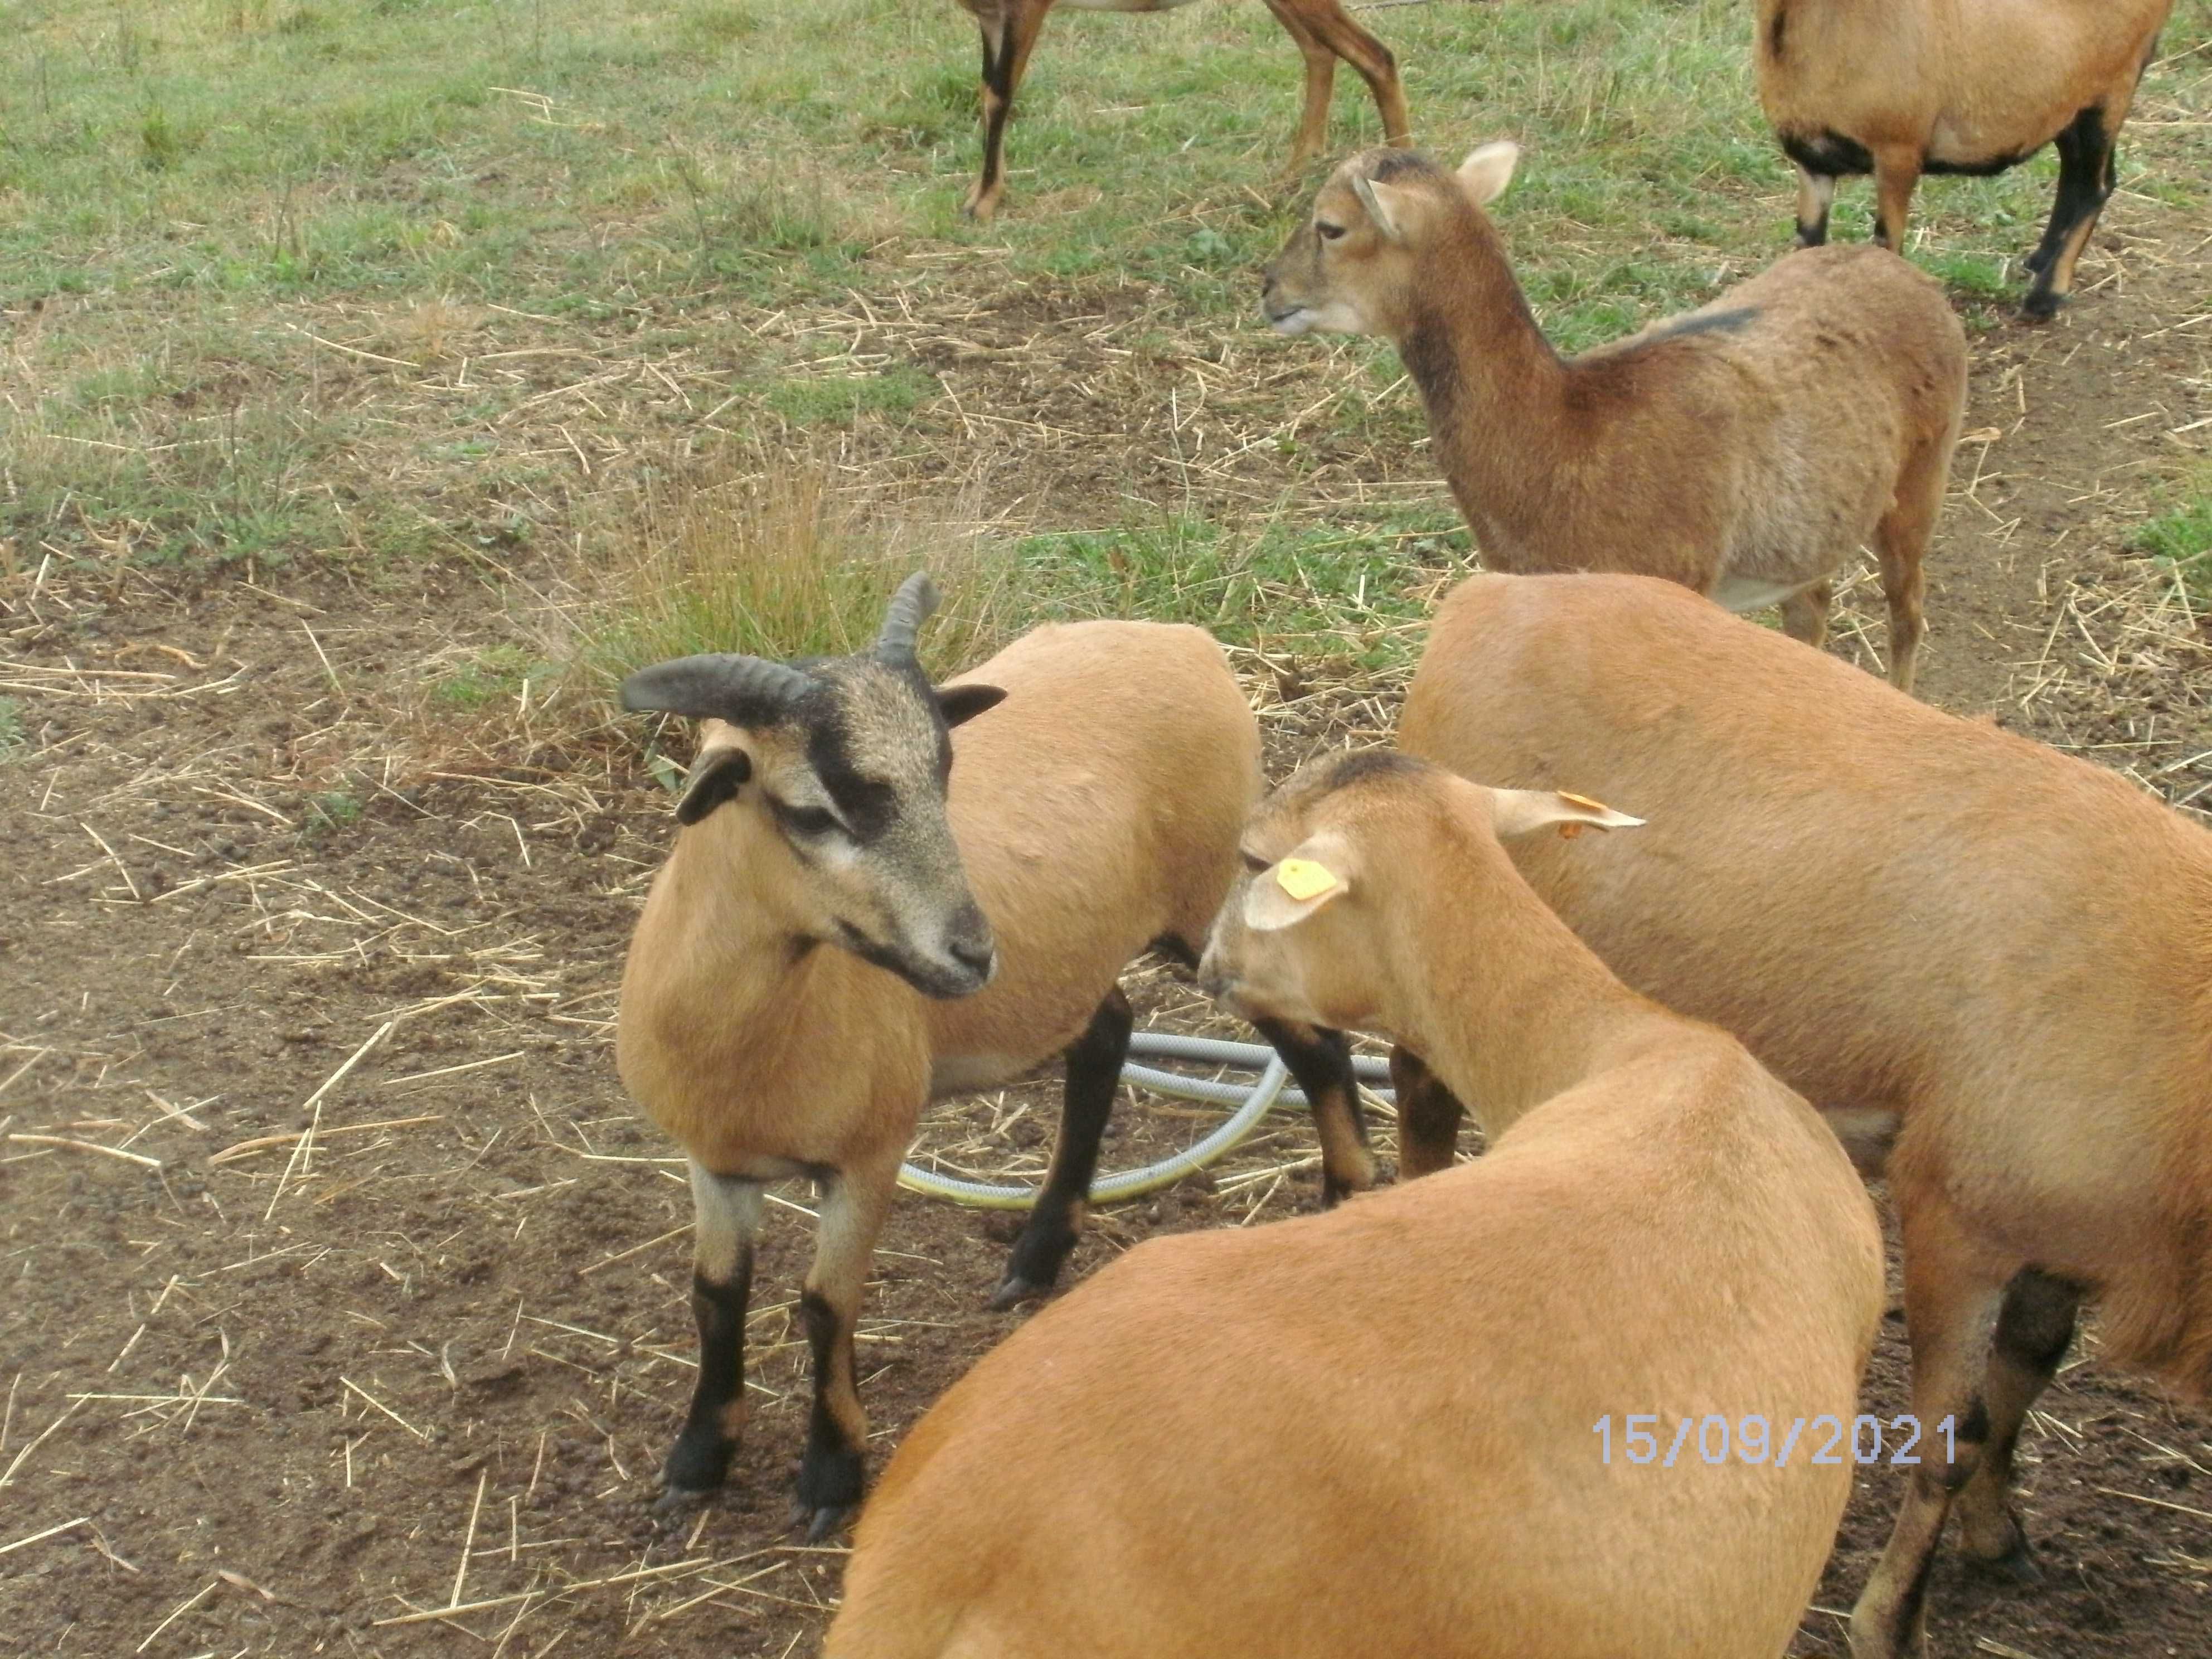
[[2088, 171], [725, 1219], [1901, 540], [1896, 174], [1815, 192], [1010, 29], [851, 1213], [1325, 32], [1953, 1291], [1428, 1116], [1322, 1063], [1094, 1074], [2033, 1332], [1805, 614]]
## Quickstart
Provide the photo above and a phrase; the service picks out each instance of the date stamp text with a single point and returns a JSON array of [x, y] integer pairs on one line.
[[1755, 1440]]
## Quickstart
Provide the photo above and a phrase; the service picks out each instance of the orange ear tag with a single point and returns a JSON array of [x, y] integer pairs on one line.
[[1303, 879], [1569, 831]]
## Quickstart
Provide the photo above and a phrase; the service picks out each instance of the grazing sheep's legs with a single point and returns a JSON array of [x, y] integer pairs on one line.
[[1428, 1116], [1321, 1061], [1094, 1073], [1900, 544], [1815, 191], [727, 1216], [1953, 1291], [1010, 29], [2033, 1332], [1324, 33], [1805, 615], [851, 1213], [2088, 171], [1896, 172]]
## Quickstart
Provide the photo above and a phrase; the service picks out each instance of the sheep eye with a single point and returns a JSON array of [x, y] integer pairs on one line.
[[809, 822], [1328, 233]]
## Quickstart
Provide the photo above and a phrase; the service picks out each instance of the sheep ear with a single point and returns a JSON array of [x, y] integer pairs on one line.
[[1293, 888], [1524, 812], [961, 703], [1388, 206], [716, 776], [1486, 172]]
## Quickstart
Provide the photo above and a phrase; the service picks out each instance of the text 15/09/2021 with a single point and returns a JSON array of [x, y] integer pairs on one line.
[[1755, 1439]]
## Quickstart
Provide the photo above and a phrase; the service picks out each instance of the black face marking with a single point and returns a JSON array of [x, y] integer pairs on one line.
[[866, 805], [1829, 154], [806, 823]]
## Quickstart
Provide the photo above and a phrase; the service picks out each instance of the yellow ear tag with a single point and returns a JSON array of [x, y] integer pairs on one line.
[[1302, 879]]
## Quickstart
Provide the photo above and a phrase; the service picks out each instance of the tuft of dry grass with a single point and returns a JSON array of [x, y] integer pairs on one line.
[[769, 557]]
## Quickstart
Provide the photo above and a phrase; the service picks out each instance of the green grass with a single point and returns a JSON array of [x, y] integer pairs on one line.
[[2181, 537], [400, 280]]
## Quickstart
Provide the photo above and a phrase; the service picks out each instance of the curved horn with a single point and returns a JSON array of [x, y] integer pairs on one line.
[[743, 690], [909, 608]]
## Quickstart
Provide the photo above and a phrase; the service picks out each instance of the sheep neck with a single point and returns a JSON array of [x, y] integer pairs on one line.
[[1507, 1006], [764, 979], [1495, 391]]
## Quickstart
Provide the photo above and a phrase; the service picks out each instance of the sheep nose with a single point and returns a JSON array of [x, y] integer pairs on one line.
[[1213, 978], [969, 942]]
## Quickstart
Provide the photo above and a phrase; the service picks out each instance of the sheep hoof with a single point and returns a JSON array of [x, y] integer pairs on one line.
[[830, 1481], [1016, 1289], [2041, 305], [821, 1522], [696, 1467], [2017, 1565], [675, 1500]]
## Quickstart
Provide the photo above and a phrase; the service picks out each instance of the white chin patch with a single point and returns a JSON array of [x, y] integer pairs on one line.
[[1335, 318]]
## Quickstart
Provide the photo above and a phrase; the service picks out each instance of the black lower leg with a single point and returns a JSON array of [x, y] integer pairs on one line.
[[1428, 1115], [998, 100], [1094, 1073], [2086, 177], [701, 1456], [2035, 1327], [829, 1474], [1321, 1061]]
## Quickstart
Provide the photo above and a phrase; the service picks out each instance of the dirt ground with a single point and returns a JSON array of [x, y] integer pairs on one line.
[[272, 1394]]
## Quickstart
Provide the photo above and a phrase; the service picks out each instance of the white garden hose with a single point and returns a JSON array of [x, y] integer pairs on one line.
[[1252, 1104]]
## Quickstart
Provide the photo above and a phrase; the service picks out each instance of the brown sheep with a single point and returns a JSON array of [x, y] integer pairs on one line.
[[1324, 32], [1746, 450], [1900, 88], [1379, 1429], [839, 935], [1998, 953]]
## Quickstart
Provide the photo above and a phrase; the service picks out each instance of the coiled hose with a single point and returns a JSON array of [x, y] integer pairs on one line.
[[1251, 1103]]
